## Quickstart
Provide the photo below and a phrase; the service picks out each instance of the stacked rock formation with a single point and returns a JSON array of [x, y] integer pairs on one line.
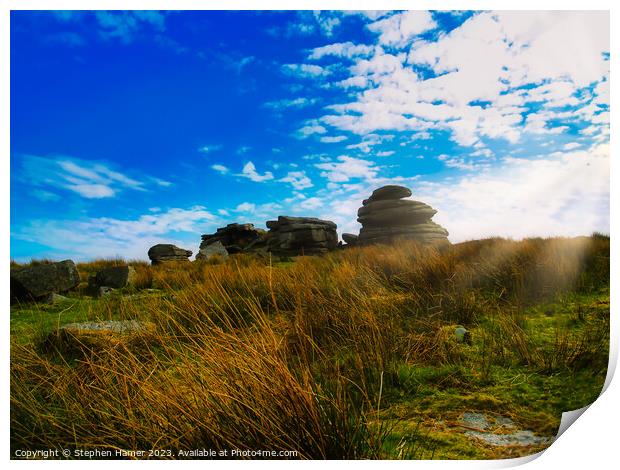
[[385, 216], [233, 238], [164, 252], [292, 236]]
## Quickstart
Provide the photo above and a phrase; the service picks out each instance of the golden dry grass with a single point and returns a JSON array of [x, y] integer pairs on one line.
[[295, 356]]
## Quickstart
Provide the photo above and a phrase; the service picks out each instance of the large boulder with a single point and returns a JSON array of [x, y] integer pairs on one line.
[[163, 252], [234, 238], [385, 216], [292, 236], [115, 276], [40, 281]]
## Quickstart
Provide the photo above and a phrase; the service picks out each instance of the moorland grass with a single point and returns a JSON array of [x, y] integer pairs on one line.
[[349, 355]]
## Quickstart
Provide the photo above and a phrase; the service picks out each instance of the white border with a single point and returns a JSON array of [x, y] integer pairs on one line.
[[590, 443]]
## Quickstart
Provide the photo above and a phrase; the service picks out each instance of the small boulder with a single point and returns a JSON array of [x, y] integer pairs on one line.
[[115, 276], [350, 239], [164, 252], [213, 249], [462, 335], [39, 281]]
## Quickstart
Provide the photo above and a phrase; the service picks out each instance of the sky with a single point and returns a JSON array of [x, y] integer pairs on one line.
[[132, 128]]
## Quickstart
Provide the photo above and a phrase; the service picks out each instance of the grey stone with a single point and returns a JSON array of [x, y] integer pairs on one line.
[[38, 281], [386, 217], [390, 191], [213, 249], [164, 252], [114, 326], [103, 291], [55, 298], [292, 236], [350, 239], [235, 238], [115, 276]]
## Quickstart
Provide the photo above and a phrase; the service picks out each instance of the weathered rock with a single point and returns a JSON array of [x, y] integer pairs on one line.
[[211, 250], [94, 337], [55, 298], [115, 276], [39, 281], [462, 335], [235, 238], [350, 239], [390, 191], [291, 236], [165, 252], [386, 217]]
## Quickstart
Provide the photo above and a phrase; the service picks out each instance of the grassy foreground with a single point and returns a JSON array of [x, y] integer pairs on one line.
[[351, 355]]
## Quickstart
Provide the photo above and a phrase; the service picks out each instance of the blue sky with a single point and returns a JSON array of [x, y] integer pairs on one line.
[[142, 127]]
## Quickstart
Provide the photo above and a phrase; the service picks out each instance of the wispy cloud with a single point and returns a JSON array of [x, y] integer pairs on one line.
[[305, 70], [110, 237], [210, 148], [346, 168], [91, 180], [220, 168], [298, 179]]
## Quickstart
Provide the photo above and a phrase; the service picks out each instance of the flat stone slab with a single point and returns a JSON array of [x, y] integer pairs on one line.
[[500, 431]]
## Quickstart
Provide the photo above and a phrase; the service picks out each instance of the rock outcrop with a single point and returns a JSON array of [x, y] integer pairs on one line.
[[234, 238], [385, 216], [292, 236], [40, 281], [164, 252]]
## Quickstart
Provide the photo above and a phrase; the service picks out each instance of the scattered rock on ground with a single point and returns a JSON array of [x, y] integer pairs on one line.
[[500, 431], [163, 252], [462, 335], [93, 337], [292, 236], [55, 298], [39, 281]]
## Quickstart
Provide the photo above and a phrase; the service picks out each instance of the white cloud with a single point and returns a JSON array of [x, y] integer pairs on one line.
[[220, 168], [91, 180], [346, 168], [400, 28], [297, 179], [476, 73], [87, 239], [246, 207], [298, 103], [210, 148], [567, 194], [311, 127], [305, 70], [333, 139], [249, 171], [341, 49]]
